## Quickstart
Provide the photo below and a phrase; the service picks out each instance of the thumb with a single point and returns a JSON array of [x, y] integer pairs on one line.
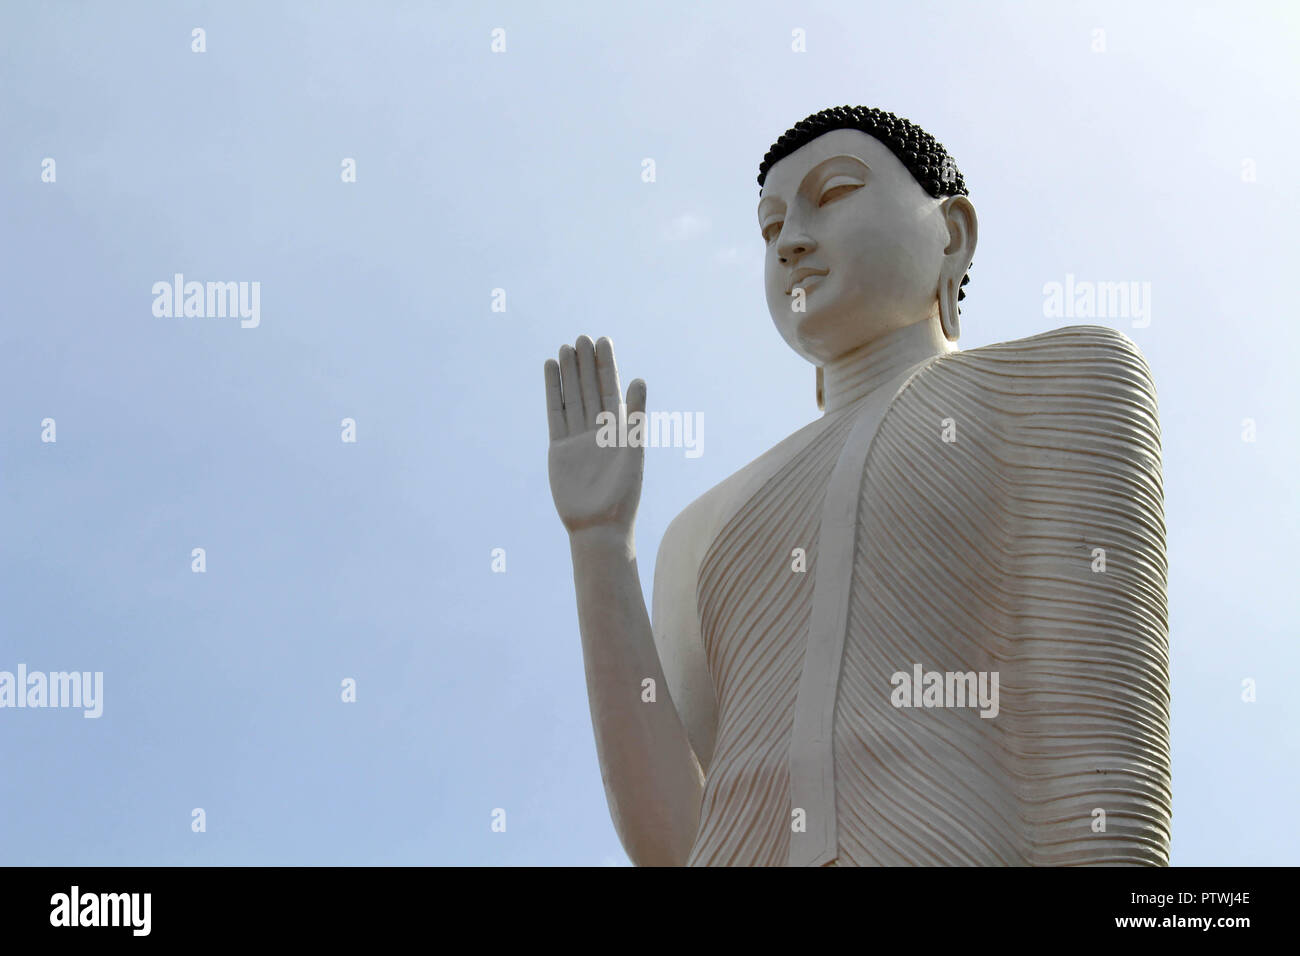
[[636, 396]]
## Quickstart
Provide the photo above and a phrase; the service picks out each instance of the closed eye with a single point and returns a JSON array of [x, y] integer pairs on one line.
[[835, 192], [772, 230]]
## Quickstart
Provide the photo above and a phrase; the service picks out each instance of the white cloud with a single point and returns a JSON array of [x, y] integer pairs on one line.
[[686, 226]]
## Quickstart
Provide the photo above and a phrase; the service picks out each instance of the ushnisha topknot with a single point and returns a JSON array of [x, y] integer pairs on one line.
[[922, 154]]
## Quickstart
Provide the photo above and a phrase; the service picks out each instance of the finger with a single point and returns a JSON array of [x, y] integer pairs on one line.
[[555, 401], [587, 375], [636, 396], [573, 415], [607, 375]]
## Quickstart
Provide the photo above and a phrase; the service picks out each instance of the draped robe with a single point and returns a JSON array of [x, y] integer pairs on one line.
[[1005, 515]]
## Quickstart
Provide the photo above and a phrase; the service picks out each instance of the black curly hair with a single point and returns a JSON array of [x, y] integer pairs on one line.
[[922, 154]]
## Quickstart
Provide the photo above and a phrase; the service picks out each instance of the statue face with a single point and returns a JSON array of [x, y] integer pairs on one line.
[[844, 220]]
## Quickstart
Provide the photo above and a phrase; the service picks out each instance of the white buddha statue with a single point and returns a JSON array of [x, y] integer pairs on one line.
[[971, 666]]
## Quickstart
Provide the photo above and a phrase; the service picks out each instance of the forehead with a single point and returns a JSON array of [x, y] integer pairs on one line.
[[785, 177]]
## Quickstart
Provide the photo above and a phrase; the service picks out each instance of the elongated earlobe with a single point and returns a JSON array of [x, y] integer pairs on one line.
[[963, 233], [821, 388], [949, 311]]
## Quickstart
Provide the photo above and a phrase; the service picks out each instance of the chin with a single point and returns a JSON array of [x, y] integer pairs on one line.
[[819, 334]]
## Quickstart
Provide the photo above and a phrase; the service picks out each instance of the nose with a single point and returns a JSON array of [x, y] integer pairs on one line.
[[798, 244]]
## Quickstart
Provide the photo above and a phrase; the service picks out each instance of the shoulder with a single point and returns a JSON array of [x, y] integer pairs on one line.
[[685, 536], [688, 537], [1077, 362], [1069, 346], [693, 530], [1079, 398]]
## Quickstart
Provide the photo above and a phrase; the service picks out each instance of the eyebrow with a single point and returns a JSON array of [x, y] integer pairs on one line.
[[815, 172]]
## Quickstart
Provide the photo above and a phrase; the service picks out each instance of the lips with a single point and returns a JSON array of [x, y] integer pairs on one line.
[[800, 275]]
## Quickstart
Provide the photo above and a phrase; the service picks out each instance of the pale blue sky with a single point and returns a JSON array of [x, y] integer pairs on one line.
[[522, 170]]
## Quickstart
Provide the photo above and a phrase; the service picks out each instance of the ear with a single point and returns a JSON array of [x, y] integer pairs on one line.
[[963, 231]]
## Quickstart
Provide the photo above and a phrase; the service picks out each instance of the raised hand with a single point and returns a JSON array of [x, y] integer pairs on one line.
[[592, 486]]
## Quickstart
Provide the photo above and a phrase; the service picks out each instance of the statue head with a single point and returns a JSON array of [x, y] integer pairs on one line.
[[868, 229]]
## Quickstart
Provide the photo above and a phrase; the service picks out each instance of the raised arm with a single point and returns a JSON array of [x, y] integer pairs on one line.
[[652, 779]]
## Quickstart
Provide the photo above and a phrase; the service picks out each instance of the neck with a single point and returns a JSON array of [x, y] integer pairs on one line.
[[856, 374]]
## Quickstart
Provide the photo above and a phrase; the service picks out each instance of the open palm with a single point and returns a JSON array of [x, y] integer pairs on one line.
[[592, 486]]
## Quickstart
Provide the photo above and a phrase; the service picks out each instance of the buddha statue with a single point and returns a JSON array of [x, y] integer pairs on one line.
[[929, 627]]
